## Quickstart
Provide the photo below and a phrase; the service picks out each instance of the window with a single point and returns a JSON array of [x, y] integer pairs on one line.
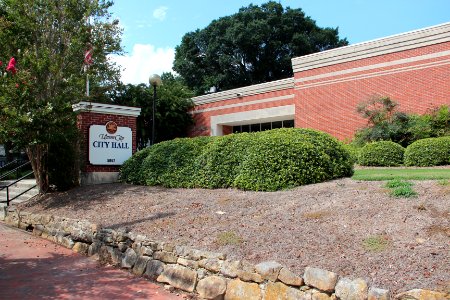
[[263, 126]]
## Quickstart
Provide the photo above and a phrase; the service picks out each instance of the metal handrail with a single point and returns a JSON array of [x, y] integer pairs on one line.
[[8, 164], [15, 170], [13, 183]]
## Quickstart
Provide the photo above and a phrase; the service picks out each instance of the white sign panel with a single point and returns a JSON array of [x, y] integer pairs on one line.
[[109, 144]]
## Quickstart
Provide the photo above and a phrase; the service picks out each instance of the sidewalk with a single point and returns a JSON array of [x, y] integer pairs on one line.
[[34, 268]]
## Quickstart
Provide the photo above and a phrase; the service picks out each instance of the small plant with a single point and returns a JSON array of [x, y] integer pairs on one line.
[[376, 243], [421, 207], [395, 183], [401, 188], [444, 182], [403, 192], [315, 215], [228, 238]]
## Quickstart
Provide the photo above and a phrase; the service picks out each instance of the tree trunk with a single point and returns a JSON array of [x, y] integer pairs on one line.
[[37, 155]]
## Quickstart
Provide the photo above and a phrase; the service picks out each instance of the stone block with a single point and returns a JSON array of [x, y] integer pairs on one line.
[[268, 270], [166, 257], [378, 294], [280, 291], [289, 278], [81, 248], [239, 290], [351, 289], [94, 248], [154, 269], [179, 277], [212, 287], [419, 294], [230, 268], [249, 276], [188, 263], [320, 279], [140, 265], [129, 259], [210, 264]]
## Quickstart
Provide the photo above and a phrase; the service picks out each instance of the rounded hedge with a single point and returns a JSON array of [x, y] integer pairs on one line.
[[340, 165], [221, 160], [276, 163], [428, 152], [170, 163], [381, 154], [266, 161], [130, 171]]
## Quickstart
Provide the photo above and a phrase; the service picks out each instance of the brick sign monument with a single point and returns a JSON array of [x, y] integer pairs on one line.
[[109, 133]]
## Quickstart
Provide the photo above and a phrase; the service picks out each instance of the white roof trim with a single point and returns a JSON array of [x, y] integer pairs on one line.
[[255, 89], [108, 109], [400, 42]]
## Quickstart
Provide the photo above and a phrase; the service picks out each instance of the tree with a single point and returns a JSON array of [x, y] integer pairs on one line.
[[252, 46], [172, 105], [48, 39]]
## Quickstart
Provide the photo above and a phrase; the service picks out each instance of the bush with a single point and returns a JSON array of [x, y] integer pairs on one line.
[[341, 164], [268, 161], [381, 154], [130, 171], [354, 150], [428, 152], [170, 163], [221, 161], [276, 163]]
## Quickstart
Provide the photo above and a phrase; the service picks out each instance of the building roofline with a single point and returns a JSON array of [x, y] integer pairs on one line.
[[394, 43], [255, 89], [109, 109]]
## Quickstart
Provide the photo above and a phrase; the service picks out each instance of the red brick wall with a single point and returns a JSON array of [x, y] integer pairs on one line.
[[85, 120], [329, 104], [202, 120]]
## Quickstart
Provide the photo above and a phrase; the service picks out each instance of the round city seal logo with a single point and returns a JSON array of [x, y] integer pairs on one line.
[[111, 127]]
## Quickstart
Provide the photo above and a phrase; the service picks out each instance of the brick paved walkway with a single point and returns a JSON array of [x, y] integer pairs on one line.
[[34, 268]]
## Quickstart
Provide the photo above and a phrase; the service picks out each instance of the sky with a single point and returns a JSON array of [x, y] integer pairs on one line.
[[153, 28]]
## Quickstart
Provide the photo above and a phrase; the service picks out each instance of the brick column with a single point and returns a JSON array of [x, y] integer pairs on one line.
[[104, 169]]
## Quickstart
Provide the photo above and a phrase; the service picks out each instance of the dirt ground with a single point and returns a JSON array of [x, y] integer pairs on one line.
[[353, 228]]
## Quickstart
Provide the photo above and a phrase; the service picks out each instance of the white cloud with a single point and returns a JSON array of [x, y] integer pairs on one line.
[[144, 61], [160, 13]]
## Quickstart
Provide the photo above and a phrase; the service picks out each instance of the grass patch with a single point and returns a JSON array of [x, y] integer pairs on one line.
[[379, 174], [403, 192], [228, 238], [376, 243]]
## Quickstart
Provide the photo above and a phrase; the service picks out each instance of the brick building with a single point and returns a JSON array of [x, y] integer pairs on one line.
[[412, 68]]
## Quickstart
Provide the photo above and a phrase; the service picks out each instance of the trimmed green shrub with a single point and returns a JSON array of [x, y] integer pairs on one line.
[[170, 163], [341, 164], [267, 161], [130, 171], [277, 162], [428, 152], [381, 154], [221, 161], [354, 151]]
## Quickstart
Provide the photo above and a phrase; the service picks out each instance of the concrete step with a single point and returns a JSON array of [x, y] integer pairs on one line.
[[18, 188]]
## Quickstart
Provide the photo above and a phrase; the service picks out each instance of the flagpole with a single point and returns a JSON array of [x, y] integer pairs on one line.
[[87, 84]]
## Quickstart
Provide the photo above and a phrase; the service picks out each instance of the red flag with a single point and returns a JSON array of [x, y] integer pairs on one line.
[[12, 66], [88, 56]]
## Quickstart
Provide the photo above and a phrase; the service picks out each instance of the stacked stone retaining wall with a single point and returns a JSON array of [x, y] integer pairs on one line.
[[209, 275]]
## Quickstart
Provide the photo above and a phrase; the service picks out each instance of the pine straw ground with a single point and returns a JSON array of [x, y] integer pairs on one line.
[[353, 228]]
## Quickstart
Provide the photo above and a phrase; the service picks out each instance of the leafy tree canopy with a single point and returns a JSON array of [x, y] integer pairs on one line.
[[48, 39], [252, 46], [172, 105]]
